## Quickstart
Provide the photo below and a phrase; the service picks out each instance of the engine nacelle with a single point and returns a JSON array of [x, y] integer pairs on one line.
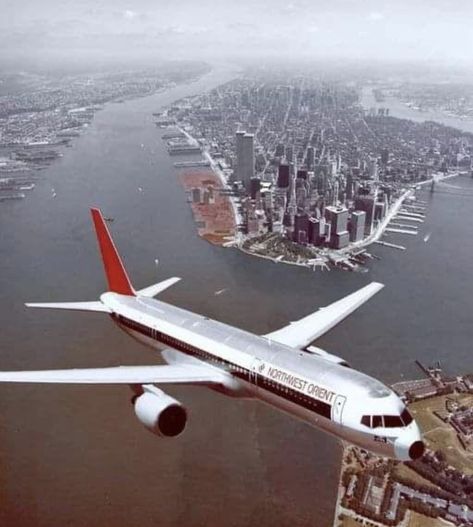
[[327, 356], [160, 413]]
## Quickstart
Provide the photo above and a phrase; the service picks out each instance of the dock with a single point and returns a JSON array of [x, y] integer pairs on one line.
[[191, 164], [409, 218], [404, 226], [412, 214], [392, 245], [401, 231]]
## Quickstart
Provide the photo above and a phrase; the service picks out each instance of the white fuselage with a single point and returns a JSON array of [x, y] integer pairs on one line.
[[344, 402]]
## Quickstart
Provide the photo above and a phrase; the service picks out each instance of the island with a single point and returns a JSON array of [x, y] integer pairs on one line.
[[312, 177]]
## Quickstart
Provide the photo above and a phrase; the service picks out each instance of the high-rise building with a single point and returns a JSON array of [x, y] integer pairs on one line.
[[379, 210], [384, 156], [245, 158], [366, 203], [290, 154], [255, 187], [283, 176], [337, 217], [340, 240], [373, 169], [310, 158], [316, 231], [357, 225], [301, 173], [301, 228], [280, 150], [268, 199], [349, 185]]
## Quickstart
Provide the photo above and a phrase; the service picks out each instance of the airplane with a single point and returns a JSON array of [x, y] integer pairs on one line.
[[282, 368]]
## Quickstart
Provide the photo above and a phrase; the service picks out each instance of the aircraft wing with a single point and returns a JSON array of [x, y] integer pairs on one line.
[[166, 374], [301, 333], [73, 306]]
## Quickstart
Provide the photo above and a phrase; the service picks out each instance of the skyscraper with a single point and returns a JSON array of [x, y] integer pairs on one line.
[[357, 225], [337, 216], [245, 158], [290, 154], [373, 169], [301, 228], [283, 176], [310, 159]]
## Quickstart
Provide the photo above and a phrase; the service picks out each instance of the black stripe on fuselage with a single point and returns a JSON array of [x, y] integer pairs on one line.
[[314, 405]]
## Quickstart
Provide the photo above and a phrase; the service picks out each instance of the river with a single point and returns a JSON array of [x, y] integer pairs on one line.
[[398, 109], [77, 456]]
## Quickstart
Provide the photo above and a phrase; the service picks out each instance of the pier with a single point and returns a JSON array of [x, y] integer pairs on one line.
[[412, 214], [404, 226], [409, 218], [389, 244], [401, 231], [190, 164]]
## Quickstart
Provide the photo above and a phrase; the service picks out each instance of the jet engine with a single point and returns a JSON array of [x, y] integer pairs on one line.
[[327, 356], [158, 412]]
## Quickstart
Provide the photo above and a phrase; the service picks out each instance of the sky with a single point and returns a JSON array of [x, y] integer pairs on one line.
[[381, 30]]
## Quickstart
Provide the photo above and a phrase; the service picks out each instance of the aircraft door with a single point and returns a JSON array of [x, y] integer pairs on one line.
[[255, 368], [337, 408]]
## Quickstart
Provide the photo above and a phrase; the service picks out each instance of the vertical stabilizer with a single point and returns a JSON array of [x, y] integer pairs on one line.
[[118, 281]]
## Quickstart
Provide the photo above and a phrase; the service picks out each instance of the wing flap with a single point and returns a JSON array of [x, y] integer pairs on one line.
[[301, 333], [166, 374]]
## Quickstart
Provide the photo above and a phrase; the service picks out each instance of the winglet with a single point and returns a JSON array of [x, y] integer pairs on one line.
[[118, 281]]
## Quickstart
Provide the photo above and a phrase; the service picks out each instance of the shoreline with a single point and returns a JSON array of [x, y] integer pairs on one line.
[[217, 171], [325, 259]]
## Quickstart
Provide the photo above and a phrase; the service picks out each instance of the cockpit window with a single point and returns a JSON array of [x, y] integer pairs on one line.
[[376, 421], [406, 417], [387, 421], [392, 421]]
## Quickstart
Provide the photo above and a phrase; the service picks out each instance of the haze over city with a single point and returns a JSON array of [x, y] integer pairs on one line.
[[437, 31]]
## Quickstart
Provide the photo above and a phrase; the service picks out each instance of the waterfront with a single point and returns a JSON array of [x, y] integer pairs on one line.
[[77, 455], [398, 109]]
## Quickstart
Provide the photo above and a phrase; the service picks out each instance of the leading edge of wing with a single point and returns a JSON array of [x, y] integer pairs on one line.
[[301, 333], [166, 374]]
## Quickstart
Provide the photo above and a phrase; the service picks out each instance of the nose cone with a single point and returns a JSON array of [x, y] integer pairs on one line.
[[409, 446]]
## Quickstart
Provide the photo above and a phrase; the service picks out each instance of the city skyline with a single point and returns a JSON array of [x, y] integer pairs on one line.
[[319, 177]]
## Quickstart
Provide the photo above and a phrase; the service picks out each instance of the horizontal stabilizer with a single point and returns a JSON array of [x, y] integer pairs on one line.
[[167, 374], [73, 306], [301, 333], [155, 289]]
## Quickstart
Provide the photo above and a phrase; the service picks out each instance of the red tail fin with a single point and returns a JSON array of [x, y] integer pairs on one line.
[[118, 281]]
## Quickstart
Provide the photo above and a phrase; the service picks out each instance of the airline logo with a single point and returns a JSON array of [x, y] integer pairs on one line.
[[297, 383]]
